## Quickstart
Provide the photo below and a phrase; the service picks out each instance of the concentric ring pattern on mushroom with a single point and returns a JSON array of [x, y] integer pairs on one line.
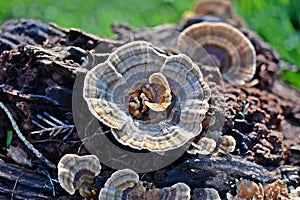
[[150, 100]]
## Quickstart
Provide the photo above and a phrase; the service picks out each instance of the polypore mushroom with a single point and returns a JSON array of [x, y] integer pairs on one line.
[[121, 184], [178, 191], [226, 143], [203, 147], [150, 100], [274, 190], [160, 91], [78, 172], [226, 46], [218, 8], [247, 189], [206, 194], [125, 184], [294, 193], [156, 95]]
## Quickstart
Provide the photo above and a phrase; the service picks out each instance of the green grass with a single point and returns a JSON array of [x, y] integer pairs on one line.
[[277, 21], [96, 16], [9, 136]]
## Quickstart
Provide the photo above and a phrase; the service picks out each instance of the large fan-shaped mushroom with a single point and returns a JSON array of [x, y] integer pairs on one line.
[[150, 100], [226, 46]]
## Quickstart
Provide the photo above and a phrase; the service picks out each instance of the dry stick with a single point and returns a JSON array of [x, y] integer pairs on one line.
[[24, 140], [15, 185]]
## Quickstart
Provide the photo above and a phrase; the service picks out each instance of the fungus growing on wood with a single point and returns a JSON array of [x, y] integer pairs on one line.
[[206, 194], [226, 143], [78, 172], [203, 147], [125, 184], [226, 46], [150, 100]]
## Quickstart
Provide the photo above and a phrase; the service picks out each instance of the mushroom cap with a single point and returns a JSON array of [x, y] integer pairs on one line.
[[247, 189], [182, 191], [226, 143], [227, 48], [211, 194], [76, 171], [204, 146], [274, 190], [178, 191], [166, 97], [206, 193], [219, 8], [121, 180], [294, 192], [107, 89]]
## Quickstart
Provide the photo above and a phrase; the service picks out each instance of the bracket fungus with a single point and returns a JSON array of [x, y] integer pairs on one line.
[[150, 100], [203, 147], [125, 184], [226, 143], [121, 181], [226, 46], [78, 172], [206, 194], [178, 191], [247, 189], [219, 8]]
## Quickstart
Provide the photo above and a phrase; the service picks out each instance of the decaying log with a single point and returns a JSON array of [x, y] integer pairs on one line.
[[38, 66], [17, 182]]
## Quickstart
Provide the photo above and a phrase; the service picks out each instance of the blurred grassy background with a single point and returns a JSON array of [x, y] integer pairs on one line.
[[277, 21]]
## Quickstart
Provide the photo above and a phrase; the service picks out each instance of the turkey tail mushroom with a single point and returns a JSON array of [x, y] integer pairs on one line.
[[150, 100], [78, 172], [121, 182], [218, 8], [125, 184], [226, 46]]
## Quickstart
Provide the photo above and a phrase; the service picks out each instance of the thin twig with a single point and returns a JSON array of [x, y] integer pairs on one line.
[[24, 140], [46, 173], [15, 185]]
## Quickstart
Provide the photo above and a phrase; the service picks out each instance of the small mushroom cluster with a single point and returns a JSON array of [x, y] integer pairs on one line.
[[79, 172], [149, 99], [125, 184], [247, 189], [206, 145]]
